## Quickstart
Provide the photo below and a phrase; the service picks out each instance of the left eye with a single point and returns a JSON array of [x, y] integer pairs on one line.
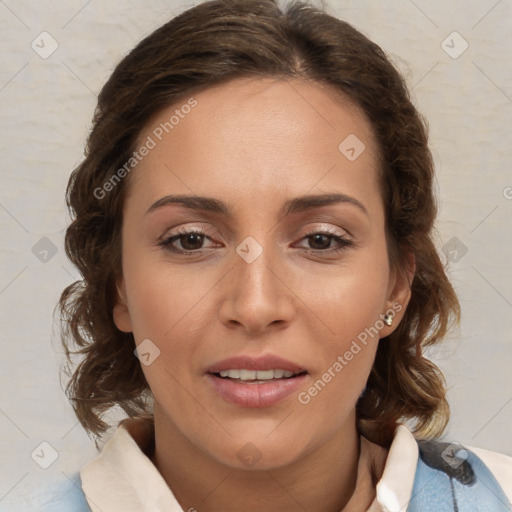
[[324, 239], [191, 241]]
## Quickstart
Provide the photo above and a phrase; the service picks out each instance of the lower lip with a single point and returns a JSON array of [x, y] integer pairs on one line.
[[256, 395]]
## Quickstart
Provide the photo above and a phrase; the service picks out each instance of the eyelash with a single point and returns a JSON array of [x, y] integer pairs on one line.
[[344, 242]]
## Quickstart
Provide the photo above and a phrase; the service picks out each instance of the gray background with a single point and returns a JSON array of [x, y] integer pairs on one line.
[[46, 106]]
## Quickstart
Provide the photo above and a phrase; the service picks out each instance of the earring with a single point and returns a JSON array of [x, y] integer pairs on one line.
[[388, 319]]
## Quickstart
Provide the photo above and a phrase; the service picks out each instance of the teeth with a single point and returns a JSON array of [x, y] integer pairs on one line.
[[234, 374], [247, 374], [243, 374]]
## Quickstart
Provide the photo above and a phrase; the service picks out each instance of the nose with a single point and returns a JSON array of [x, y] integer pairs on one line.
[[257, 295]]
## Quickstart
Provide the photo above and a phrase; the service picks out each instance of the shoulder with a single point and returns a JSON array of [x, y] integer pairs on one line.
[[63, 496], [499, 464], [451, 476], [69, 498]]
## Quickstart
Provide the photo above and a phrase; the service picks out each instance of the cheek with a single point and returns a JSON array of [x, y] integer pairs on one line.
[[168, 306], [349, 302], [351, 307], [349, 297], [160, 296], [169, 302]]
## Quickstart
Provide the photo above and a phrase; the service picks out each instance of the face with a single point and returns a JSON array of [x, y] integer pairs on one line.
[[285, 268]]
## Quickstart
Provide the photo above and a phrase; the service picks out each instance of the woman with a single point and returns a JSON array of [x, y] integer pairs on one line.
[[253, 224]]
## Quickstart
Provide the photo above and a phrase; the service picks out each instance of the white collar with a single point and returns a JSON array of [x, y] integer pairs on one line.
[[394, 489], [123, 478]]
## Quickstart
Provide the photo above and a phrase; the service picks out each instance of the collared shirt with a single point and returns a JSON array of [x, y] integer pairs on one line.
[[123, 478]]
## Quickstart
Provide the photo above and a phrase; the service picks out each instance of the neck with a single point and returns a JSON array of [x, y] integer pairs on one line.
[[332, 477]]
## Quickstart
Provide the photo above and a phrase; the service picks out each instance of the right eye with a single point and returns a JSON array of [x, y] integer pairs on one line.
[[190, 240]]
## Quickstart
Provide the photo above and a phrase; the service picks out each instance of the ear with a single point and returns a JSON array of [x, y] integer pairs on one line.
[[121, 312], [399, 293]]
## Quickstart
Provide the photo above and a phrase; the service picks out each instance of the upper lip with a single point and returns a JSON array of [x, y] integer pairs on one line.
[[266, 362]]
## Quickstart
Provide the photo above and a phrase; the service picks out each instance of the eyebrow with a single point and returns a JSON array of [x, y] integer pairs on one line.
[[296, 205]]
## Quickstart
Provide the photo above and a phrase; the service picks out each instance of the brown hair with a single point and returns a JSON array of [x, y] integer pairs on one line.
[[207, 45]]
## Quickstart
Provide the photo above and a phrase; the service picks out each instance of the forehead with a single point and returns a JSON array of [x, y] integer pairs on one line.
[[259, 134]]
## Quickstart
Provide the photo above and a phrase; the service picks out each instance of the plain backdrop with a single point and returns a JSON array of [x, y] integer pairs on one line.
[[456, 57]]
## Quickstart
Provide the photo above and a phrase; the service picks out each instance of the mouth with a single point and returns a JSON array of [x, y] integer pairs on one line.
[[256, 382], [258, 376]]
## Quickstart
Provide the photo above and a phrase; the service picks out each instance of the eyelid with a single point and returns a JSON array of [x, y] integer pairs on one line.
[[326, 229], [183, 229], [303, 231]]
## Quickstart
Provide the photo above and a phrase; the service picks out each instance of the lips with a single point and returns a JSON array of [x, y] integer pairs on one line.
[[262, 363], [256, 382]]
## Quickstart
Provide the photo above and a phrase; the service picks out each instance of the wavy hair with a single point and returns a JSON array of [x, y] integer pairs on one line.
[[213, 43]]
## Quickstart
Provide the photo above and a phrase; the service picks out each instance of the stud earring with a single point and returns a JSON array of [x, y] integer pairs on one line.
[[388, 319]]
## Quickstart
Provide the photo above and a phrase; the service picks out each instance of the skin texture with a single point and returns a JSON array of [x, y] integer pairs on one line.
[[255, 143]]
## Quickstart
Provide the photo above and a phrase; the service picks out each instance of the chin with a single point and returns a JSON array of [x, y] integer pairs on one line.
[[258, 452]]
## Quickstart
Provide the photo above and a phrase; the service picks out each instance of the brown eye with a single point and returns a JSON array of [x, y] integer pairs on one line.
[[190, 242], [321, 242]]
